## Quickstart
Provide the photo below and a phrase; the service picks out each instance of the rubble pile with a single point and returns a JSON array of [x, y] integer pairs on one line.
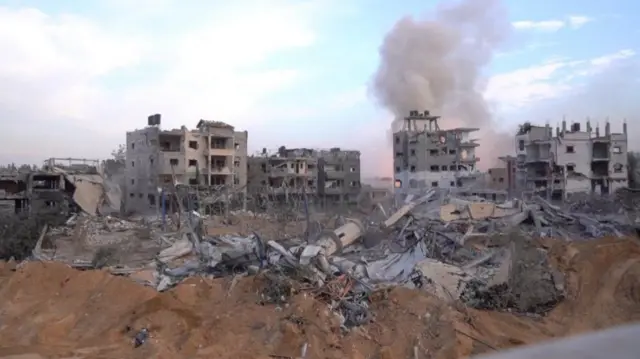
[[464, 251], [483, 254]]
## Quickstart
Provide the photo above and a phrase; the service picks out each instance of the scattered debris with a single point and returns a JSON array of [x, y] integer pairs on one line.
[[141, 337], [479, 255]]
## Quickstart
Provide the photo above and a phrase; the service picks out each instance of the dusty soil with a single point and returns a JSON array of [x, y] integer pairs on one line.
[[48, 310]]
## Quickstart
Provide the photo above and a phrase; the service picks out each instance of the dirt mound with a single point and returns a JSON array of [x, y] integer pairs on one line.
[[603, 283], [50, 310]]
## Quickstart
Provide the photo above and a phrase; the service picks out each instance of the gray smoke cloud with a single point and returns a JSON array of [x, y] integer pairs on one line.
[[437, 64]]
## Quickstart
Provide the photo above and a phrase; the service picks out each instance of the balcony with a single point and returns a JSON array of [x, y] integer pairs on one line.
[[285, 172], [222, 152], [219, 170], [537, 159], [334, 174], [334, 190]]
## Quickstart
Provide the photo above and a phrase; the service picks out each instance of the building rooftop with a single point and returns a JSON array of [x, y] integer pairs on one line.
[[218, 124]]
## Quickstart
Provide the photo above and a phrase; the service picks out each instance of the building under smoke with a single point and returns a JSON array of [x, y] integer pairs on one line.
[[437, 62], [426, 156]]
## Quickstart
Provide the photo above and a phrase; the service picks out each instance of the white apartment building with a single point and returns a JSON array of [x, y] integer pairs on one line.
[[571, 161]]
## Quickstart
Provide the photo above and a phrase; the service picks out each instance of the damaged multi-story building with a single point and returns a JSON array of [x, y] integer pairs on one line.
[[328, 175], [61, 186], [574, 160], [286, 173], [212, 154], [339, 179], [426, 156]]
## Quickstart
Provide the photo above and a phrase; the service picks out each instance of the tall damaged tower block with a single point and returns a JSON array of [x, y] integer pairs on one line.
[[426, 156]]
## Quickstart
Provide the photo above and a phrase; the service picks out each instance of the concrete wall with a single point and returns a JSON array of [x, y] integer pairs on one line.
[[194, 163], [498, 178], [574, 149], [618, 168], [143, 162], [433, 151], [241, 140], [577, 185], [257, 177]]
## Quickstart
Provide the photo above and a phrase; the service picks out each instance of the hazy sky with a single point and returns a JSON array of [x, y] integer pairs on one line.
[[75, 75]]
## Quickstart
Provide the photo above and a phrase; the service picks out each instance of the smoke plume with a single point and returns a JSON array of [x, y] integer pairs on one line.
[[437, 64]]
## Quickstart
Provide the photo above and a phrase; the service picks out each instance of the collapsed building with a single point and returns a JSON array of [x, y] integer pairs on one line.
[[61, 186], [572, 161], [377, 188], [426, 156], [212, 154], [331, 176]]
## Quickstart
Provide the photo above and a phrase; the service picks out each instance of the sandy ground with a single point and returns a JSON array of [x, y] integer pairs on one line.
[[48, 310]]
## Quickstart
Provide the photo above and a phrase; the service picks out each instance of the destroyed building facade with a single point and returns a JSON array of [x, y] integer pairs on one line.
[[212, 154], [288, 172], [426, 156], [339, 179], [574, 160], [332, 175], [61, 186], [377, 188]]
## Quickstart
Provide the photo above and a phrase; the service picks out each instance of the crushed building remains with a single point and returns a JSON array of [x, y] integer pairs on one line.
[[462, 251], [61, 186], [325, 176]]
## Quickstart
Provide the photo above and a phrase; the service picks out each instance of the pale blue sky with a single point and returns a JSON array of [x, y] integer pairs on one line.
[[80, 73]]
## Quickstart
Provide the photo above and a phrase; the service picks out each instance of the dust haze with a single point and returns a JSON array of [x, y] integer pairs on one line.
[[437, 64], [610, 94]]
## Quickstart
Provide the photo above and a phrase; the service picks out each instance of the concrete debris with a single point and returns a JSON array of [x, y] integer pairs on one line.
[[483, 254], [141, 337]]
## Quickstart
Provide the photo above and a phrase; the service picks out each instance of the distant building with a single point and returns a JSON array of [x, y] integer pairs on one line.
[[53, 188], [574, 160], [503, 178], [289, 172], [426, 156], [330, 175], [339, 175], [376, 189], [212, 154]]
